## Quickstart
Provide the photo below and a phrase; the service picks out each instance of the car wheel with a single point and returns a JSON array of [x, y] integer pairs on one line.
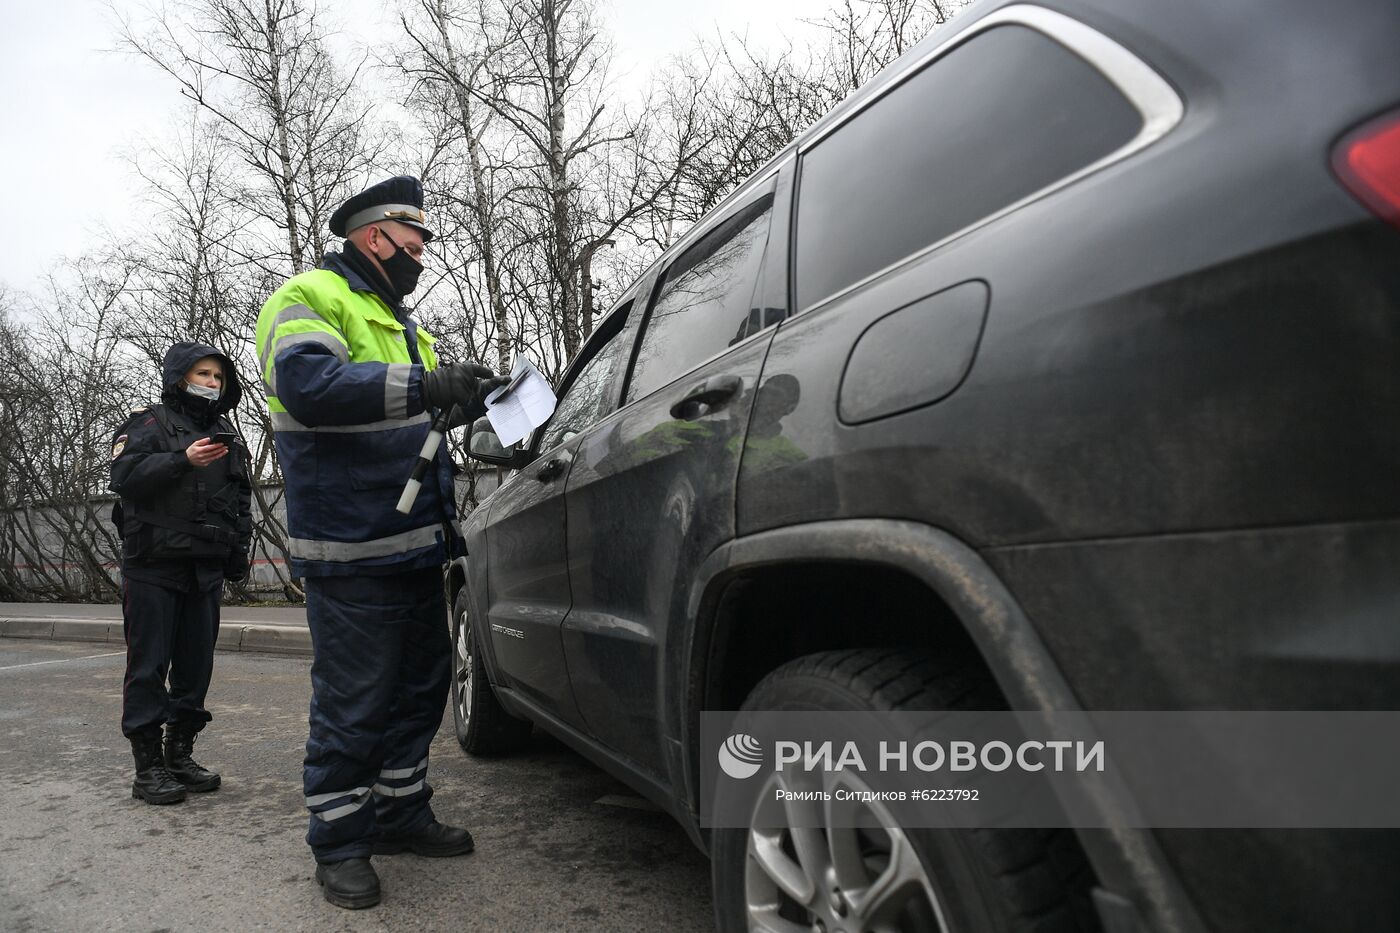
[[483, 726], [892, 878]]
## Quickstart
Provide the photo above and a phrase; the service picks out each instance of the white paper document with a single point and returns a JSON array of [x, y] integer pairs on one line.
[[524, 404]]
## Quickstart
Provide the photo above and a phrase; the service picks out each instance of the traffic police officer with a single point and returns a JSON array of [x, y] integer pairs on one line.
[[184, 519], [352, 384]]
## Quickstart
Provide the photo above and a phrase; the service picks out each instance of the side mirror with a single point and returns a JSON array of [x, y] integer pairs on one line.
[[484, 445]]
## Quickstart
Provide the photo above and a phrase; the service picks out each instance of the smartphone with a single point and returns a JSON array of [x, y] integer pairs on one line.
[[227, 438]]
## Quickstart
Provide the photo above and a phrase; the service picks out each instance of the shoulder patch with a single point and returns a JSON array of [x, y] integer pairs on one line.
[[118, 446]]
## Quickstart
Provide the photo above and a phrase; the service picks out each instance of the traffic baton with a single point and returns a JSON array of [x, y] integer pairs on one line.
[[425, 459]]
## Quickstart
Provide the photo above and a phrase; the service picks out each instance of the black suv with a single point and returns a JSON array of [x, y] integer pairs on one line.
[[1057, 368]]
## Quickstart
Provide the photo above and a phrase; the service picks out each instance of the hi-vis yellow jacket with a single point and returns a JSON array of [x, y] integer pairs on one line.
[[343, 373]]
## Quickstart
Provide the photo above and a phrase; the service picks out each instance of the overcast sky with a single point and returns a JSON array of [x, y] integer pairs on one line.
[[72, 109]]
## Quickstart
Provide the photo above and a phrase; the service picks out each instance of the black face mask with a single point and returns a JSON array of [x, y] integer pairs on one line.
[[402, 269]]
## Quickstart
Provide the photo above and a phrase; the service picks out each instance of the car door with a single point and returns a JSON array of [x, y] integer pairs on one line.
[[529, 592], [651, 492]]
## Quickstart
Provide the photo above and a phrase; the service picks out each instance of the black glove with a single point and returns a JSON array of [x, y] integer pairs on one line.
[[236, 567], [463, 384]]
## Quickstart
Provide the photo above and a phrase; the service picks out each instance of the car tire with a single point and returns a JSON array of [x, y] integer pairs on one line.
[[973, 881], [483, 727]]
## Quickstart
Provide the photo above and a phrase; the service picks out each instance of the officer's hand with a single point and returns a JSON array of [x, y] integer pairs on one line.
[[236, 567], [205, 451], [463, 384]]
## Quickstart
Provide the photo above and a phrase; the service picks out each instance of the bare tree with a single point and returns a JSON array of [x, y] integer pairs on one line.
[[67, 385], [450, 45], [538, 162], [284, 140], [549, 191], [863, 36], [262, 71], [15, 397], [752, 103], [191, 279], [756, 101], [584, 181]]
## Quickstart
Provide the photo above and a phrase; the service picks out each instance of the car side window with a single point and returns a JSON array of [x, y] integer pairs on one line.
[[586, 400], [994, 120], [704, 299]]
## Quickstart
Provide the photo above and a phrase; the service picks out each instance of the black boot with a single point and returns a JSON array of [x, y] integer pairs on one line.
[[153, 783], [434, 840], [179, 746], [352, 883]]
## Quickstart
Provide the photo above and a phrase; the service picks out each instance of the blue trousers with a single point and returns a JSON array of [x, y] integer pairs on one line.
[[380, 675]]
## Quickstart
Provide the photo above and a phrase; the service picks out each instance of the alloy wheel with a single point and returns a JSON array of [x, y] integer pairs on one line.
[[833, 866], [463, 670]]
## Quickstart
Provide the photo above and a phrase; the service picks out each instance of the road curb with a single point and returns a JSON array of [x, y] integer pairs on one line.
[[233, 636], [273, 639]]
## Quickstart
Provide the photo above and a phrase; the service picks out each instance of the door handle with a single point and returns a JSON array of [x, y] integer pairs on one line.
[[552, 470], [704, 398]]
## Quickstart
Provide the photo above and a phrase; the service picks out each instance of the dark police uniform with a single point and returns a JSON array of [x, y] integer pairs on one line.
[[183, 529], [343, 363]]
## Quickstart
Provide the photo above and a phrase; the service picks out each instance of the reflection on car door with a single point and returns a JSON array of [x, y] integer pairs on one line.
[[651, 492], [529, 582], [529, 579]]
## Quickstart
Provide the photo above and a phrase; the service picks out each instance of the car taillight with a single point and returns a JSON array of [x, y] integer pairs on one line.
[[1367, 160]]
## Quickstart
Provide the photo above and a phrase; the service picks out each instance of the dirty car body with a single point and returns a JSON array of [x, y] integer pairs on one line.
[[1065, 340]]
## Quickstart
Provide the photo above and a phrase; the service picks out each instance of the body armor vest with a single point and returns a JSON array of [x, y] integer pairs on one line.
[[198, 516]]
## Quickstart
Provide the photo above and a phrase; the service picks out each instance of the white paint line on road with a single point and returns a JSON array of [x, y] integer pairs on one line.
[[110, 654]]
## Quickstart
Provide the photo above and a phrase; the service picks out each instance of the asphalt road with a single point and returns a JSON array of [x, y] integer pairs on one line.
[[77, 853]]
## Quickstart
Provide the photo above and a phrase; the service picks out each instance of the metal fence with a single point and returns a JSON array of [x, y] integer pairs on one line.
[[53, 551]]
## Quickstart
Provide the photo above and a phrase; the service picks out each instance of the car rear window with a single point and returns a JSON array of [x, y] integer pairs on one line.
[[999, 117]]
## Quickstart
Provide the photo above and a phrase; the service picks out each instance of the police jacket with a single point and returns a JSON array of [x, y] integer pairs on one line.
[[179, 523], [343, 368]]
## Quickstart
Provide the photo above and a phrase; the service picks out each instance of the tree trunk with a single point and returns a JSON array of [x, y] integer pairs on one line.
[[564, 262], [287, 182], [481, 205], [585, 285]]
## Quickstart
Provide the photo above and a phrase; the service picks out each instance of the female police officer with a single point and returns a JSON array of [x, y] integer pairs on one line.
[[185, 522]]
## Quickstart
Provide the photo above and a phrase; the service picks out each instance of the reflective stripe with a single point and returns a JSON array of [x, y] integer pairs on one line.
[[404, 772], [324, 338], [282, 421], [413, 788], [328, 816], [319, 799], [297, 312], [361, 797], [313, 549], [396, 390]]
